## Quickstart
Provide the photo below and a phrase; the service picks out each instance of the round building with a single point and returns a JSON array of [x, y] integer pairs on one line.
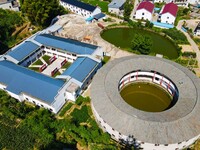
[[149, 102]]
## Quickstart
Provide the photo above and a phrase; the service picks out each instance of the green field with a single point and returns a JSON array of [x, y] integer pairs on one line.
[[146, 96], [56, 74], [38, 62], [102, 4], [34, 69], [66, 65], [46, 58]]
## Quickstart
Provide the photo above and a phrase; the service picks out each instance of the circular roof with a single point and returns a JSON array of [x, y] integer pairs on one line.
[[177, 124]]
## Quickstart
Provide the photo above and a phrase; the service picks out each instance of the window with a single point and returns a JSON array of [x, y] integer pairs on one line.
[[156, 144], [34, 102], [74, 55], [142, 13], [51, 109], [27, 99], [42, 105], [166, 144], [167, 17], [113, 135]]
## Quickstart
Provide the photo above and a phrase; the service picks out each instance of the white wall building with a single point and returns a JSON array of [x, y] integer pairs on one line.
[[168, 13], [116, 7], [144, 11], [197, 30], [24, 84], [9, 4], [80, 8], [179, 2]]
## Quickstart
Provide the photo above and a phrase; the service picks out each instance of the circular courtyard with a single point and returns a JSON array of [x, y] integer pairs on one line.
[[175, 126]]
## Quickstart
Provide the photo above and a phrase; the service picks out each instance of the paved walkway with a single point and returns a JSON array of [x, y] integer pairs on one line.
[[51, 67], [192, 43], [44, 62]]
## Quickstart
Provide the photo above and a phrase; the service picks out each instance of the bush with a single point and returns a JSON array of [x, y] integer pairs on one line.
[[105, 59], [188, 54], [66, 108], [81, 99], [80, 115], [142, 43], [176, 35]]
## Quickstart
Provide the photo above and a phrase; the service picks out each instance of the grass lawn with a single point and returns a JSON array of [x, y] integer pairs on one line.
[[46, 58], [56, 74], [102, 4], [66, 65], [38, 62], [105, 59], [34, 69]]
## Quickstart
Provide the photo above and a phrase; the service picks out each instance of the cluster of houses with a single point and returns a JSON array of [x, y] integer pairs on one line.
[[145, 11]]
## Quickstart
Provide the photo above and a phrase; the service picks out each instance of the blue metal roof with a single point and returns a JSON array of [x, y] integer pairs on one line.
[[80, 5], [99, 16], [19, 79], [22, 51], [81, 68], [116, 4], [69, 45]]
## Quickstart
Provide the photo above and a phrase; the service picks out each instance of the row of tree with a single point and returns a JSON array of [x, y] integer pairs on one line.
[[41, 12], [24, 126]]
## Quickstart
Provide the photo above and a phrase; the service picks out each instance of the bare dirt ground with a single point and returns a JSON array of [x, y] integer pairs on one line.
[[186, 48], [75, 27]]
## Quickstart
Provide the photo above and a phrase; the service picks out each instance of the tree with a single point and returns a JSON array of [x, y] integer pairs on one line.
[[148, 24], [127, 10], [141, 43], [41, 12]]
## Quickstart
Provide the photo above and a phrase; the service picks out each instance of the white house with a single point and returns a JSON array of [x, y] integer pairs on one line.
[[197, 30], [178, 2], [144, 11], [80, 8], [168, 13], [116, 7], [9, 4]]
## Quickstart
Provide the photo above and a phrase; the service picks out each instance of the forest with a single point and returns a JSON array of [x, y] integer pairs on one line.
[[73, 127]]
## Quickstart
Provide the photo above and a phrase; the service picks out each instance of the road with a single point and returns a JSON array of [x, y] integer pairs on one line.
[[190, 40]]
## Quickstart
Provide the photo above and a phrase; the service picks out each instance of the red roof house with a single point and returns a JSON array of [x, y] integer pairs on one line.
[[168, 13], [146, 5], [170, 8], [144, 11]]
